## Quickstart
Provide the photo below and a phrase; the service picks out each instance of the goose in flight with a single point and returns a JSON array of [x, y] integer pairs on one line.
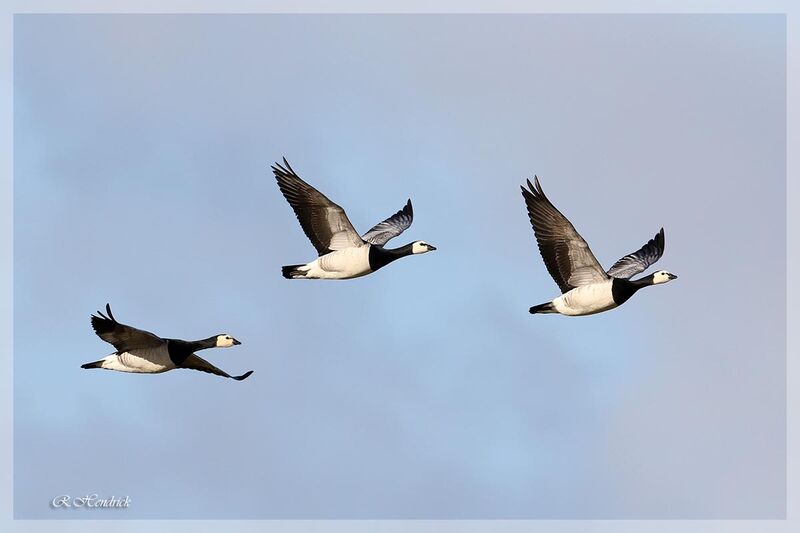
[[142, 352], [343, 253], [586, 288]]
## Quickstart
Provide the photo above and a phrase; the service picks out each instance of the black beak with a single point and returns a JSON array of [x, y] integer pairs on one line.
[[672, 276], [431, 247], [235, 342]]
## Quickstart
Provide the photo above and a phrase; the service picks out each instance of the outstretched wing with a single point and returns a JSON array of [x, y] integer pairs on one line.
[[640, 260], [124, 338], [566, 255], [390, 228], [198, 363], [325, 224]]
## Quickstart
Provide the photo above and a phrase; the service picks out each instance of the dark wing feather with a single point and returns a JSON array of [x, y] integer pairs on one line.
[[124, 338], [566, 255], [198, 363], [640, 260], [325, 224], [390, 228]]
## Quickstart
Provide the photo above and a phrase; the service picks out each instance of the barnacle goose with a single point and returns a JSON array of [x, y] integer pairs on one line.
[[142, 352], [343, 254], [586, 288]]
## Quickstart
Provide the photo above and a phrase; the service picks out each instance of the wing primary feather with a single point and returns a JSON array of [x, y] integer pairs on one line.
[[195, 362], [324, 222], [121, 336], [388, 229], [640, 260], [243, 376], [568, 258]]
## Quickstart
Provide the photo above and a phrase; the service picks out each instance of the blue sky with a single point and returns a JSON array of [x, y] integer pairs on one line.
[[142, 153]]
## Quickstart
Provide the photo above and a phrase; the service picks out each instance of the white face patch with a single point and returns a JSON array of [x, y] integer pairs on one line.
[[225, 341], [420, 247], [662, 276]]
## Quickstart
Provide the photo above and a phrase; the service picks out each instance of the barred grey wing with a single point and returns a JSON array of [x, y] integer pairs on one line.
[[194, 362], [121, 336], [390, 228], [568, 258], [640, 260], [325, 223]]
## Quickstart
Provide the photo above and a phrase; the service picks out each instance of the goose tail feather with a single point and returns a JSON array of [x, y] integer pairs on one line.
[[542, 308], [293, 272]]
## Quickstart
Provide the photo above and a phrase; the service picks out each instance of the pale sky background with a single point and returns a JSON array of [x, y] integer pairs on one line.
[[142, 153]]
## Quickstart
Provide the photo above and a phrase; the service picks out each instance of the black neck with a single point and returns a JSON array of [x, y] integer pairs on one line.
[[623, 289], [210, 342], [380, 257], [179, 349]]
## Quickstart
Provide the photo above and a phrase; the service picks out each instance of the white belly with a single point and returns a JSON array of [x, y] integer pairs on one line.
[[150, 361], [341, 264], [586, 300]]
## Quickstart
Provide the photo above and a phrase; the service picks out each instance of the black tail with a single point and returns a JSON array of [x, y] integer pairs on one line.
[[292, 272], [96, 364], [542, 308]]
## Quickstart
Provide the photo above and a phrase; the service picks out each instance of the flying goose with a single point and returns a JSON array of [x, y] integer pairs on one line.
[[586, 288], [343, 254], [142, 352]]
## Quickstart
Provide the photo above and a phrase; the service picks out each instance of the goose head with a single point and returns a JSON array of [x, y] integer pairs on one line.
[[421, 247], [662, 276], [226, 341]]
